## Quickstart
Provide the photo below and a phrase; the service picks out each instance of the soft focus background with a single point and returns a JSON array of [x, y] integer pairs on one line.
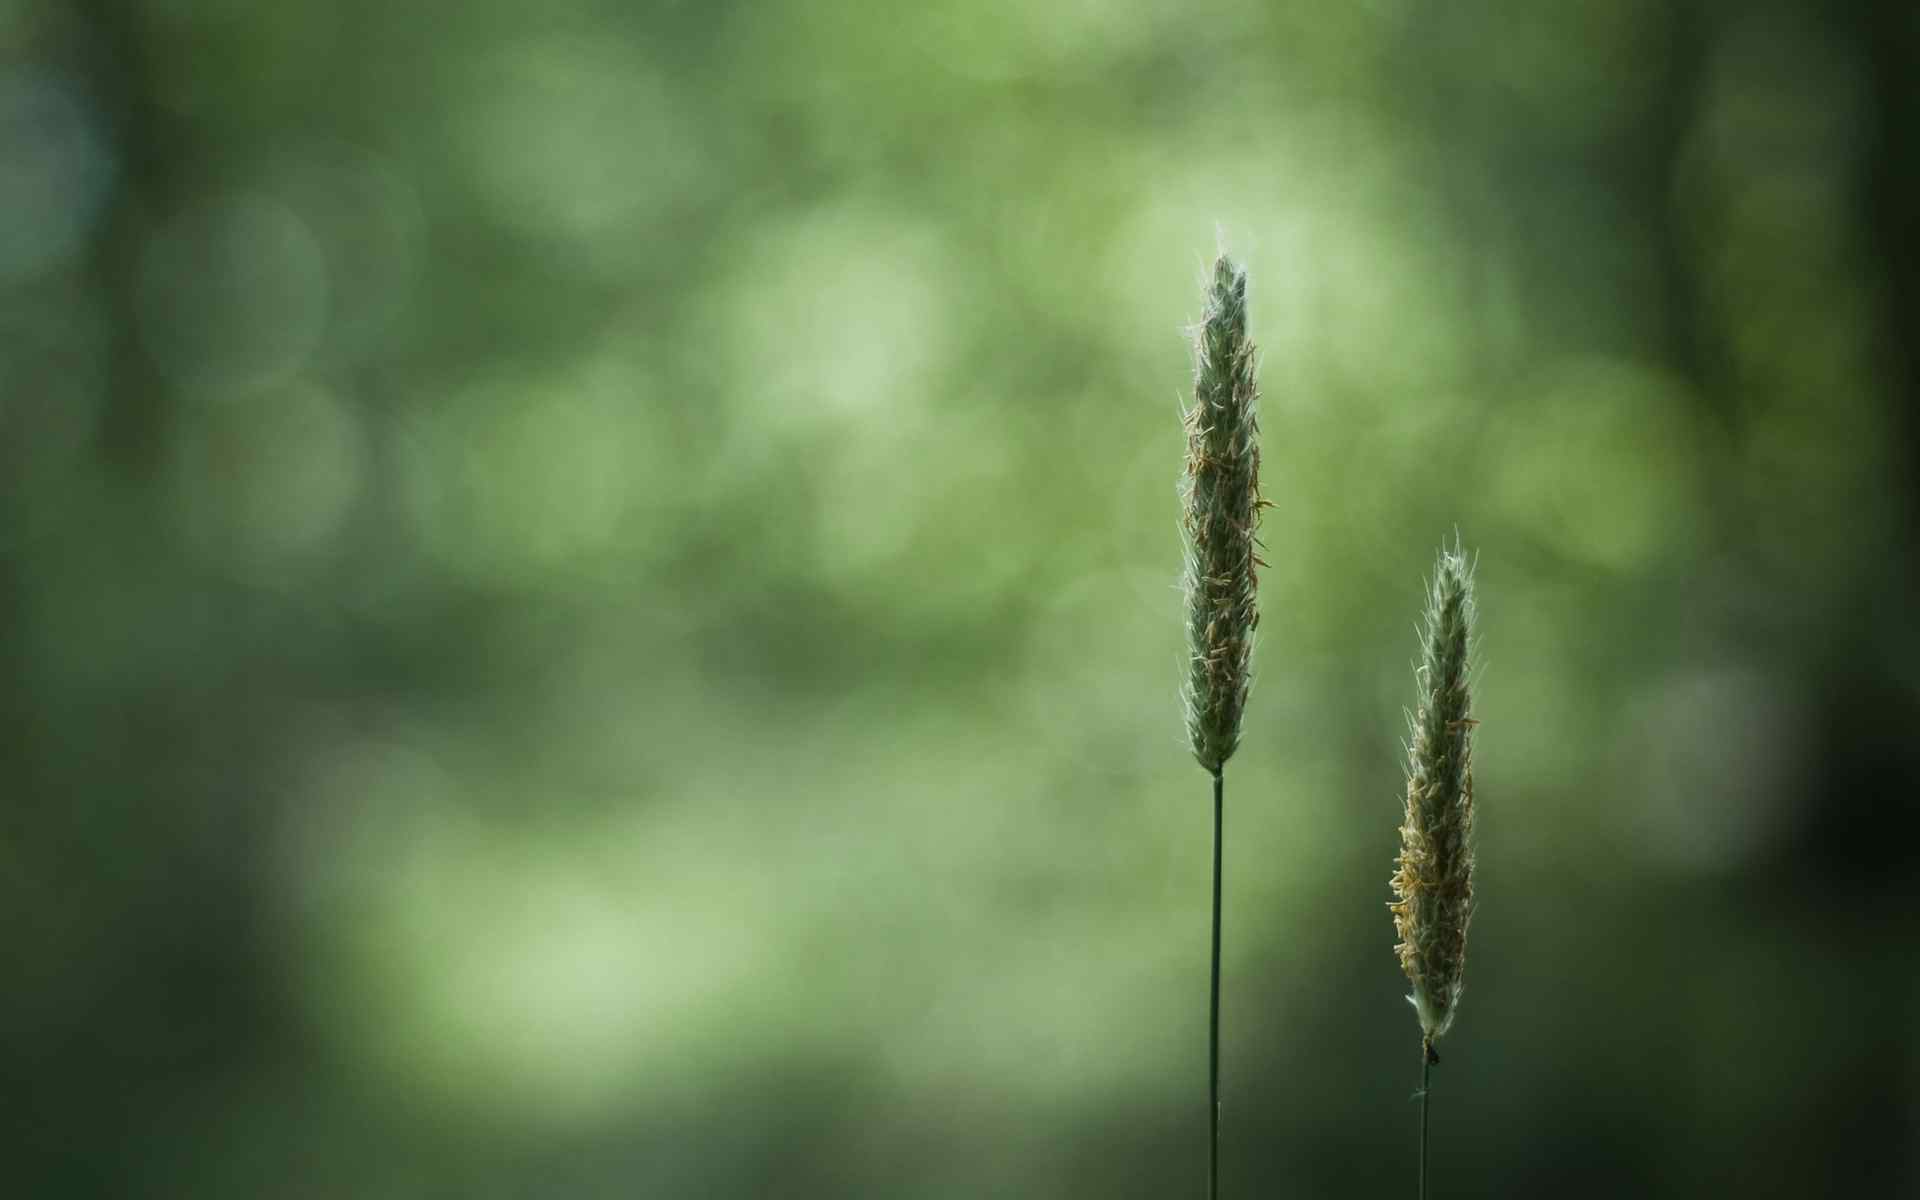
[[588, 595]]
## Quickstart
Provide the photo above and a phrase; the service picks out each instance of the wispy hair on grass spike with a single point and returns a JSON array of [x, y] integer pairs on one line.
[[1433, 885], [1220, 493]]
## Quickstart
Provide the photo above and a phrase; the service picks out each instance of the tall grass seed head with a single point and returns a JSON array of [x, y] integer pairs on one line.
[[1220, 492]]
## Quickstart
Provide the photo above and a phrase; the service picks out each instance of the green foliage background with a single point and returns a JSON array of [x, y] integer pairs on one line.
[[589, 595]]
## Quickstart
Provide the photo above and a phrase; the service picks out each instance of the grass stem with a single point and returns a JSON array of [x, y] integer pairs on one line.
[[1213, 1008], [1427, 1059]]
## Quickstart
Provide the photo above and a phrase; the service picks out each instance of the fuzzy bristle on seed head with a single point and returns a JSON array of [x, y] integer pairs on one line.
[[1433, 885], [1220, 490]]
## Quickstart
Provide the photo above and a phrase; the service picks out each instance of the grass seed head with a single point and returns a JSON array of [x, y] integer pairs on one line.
[[1220, 490], [1434, 883]]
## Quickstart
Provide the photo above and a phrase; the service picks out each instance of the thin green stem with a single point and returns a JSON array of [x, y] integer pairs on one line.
[[1213, 1011], [1427, 1059]]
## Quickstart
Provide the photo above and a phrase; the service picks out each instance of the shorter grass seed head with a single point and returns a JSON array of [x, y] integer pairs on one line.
[[1434, 883]]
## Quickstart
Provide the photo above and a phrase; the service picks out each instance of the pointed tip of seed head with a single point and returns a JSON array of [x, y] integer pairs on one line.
[[1450, 587], [1453, 560], [1229, 281]]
